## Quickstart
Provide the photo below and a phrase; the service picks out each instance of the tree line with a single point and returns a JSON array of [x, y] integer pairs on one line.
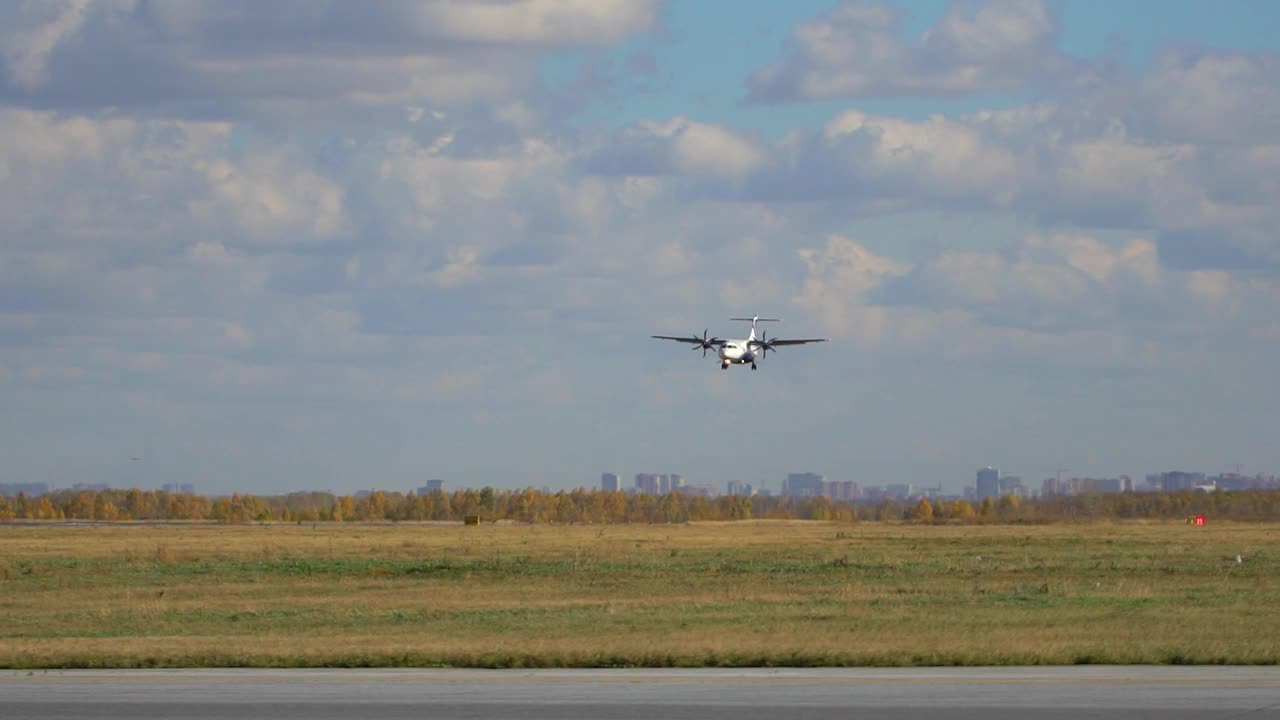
[[597, 506]]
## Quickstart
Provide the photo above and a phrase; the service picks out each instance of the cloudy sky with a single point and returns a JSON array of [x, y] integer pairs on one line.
[[301, 244]]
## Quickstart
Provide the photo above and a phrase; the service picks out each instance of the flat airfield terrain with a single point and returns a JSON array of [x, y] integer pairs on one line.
[[752, 593]]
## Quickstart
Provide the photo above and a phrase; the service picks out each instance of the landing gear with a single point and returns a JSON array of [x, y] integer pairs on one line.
[[753, 366], [724, 366]]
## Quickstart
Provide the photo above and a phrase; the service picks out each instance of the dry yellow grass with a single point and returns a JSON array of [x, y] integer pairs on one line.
[[761, 592]]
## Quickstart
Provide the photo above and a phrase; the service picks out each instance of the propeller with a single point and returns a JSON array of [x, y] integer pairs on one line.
[[704, 342], [765, 345]]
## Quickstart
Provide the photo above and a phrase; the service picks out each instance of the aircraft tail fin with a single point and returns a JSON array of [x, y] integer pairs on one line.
[[756, 319]]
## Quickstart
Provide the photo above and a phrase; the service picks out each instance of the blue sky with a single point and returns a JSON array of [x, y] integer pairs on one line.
[[276, 247], [707, 84]]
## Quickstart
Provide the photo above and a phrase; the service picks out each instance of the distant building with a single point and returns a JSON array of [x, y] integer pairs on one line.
[[1236, 481], [647, 483], [988, 483], [1233, 481], [610, 482], [847, 490], [28, 489], [179, 488], [1011, 485], [431, 486], [1176, 480], [739, 488], [1086, 485], [803, 485], [92, 487], [1115, 485], [899, 491]]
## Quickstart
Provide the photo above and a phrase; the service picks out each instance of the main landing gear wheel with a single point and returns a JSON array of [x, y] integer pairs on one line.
[[753, 366]]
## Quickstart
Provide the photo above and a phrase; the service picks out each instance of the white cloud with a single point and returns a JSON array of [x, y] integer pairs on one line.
[[271, 198], [1098, 303], [27, 53], [297, 62], [1224, 98], [461, 267], [149, 182], [840, 276], [211, 254], [945, 157], [855, 51], [1136, 260], [677, 146], [673, 258], [538, 22], [701, 149], [236, 337], [995, 31]]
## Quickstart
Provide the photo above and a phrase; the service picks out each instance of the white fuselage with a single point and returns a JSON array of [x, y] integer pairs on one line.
[[738, 352]]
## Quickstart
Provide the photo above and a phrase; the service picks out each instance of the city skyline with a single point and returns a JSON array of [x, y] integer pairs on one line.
[[989, 483], [264, 246]]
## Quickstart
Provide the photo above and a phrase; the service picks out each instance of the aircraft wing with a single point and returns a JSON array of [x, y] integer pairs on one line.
[[795, 342], [692, 340]]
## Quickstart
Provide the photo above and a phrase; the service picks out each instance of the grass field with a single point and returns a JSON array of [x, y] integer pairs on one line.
[[746, 593]]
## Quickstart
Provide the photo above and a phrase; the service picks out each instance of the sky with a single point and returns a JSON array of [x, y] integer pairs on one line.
[[267, 247]]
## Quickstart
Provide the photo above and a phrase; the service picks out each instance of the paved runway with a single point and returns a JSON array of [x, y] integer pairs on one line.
[[970, 693]]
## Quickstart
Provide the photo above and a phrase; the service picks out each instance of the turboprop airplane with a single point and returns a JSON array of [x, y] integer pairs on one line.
[[739, 352]]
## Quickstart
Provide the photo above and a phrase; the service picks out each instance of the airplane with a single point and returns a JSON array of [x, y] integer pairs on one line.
[[739, 352]]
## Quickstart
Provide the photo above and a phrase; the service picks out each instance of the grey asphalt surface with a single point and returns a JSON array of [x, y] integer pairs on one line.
[[970, 693]]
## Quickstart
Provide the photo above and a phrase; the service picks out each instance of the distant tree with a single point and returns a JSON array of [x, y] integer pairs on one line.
[[80, 506], [104, 509], [1007, 507], [960, 510], [441, 509], [673, 508], [987, 508], [700, 508], [888, 510], [616, 508], [922, 510], [45, 509]]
